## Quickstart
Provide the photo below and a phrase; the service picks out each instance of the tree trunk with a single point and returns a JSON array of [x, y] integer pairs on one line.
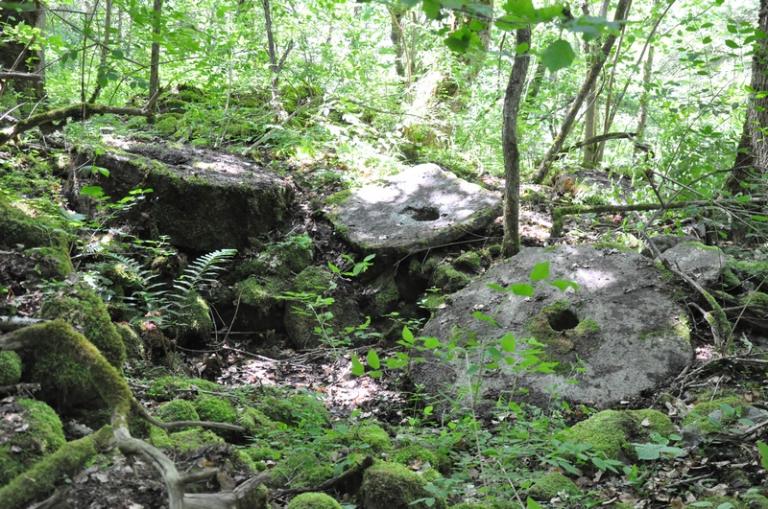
[[644, 99], [533, 90], [752, 157], [16, 56], [397, 36], [275, 62], [589, 82], [511, 242], [101, 74], [590, 115], [154, 59]]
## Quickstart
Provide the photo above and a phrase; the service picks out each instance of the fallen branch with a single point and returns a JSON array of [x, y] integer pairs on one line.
[[599, 139], [558, 213], [81, 111], [11, 323], [15, 75], [353, 475]]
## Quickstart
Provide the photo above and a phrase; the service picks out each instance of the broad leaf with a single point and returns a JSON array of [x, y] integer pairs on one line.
[[557, 55]]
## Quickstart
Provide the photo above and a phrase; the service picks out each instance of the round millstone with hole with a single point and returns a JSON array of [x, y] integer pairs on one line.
[[423, 206], [619, 334]]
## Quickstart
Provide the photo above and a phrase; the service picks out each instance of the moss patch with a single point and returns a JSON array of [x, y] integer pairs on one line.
[[177, 410], [183, 441], [313, 501], [552, 484], [393, 486], [216, 409], [301, 469], [448, 279], [712, 416], [42, 434], [168, 387], [10, 368]]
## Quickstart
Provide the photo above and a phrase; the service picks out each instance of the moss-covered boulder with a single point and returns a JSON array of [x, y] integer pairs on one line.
[[84, 309], [10, 368], [448, 279], [366, 436], [611, 432], [215, 409], [313, 501], [469, 261], [551, 485], [203, 200], [714, 415], [393, 486], [302, 468], [29, 430], [134, 346], [177, 410], [416, 455], [257, 423], [194, 321], [169, 387], [295, 409], [183, 441]]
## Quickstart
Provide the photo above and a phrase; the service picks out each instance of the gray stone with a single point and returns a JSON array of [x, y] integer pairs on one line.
[[619, 334], [705, 264], [423, 206], [203, 200]]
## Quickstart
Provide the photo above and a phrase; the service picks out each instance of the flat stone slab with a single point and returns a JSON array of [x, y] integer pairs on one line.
[[705, 264], [620, 334], [202, 199], [423, 206]]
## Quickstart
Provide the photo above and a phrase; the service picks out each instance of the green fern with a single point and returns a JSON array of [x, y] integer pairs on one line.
[[202, 271]]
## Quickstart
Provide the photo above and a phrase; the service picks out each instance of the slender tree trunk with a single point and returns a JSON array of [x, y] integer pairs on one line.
[[154, 59], [591, 114], [275, 62], [511, 242], [534, 87], [645, 98], [101, 74], [17, 56], [752, 156], [397, 36], [589, 82]]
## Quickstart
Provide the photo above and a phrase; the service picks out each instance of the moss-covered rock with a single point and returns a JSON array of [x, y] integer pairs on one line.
[[168, 387], [257, 423], [415, 455], [167, 124], [448, 279], [303, 468], [10, 368], [134, 346], [612, 431], [33, 431], [289, 256], [313, 501], [393, 486], [177, 410], [712, 416], [215, 408], [295, 410], [84, 309], [194, 322], [551, 485], [469, 261], [183, 441], [368, 436], [385, 294]]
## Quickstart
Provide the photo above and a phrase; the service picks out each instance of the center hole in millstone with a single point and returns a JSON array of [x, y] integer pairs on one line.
[[563, 319], [426, 213]]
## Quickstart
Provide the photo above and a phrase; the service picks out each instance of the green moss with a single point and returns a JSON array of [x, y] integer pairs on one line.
[[17, 226], [719, 502], [301, 469], [10, 368], [183, 441], [134, 346], [752, 270], [167, 124], [168, 387], [469, 261], [385, 294], [756, 500], [370, 434], [295, 410], [51, 261], [552, 484], [313, 280], [755, 302], [313, 501], [216, 409], [81, 307], [415, 454], [448, 279], [194, 319], [41, 434], [586, 327], [393, 486], [708, 417], [611, 431], [256, 422], [259, 293], [177, 410], [40, 480], [339, 197]]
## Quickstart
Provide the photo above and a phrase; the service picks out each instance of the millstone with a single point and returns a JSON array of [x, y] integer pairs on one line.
[[620, 334], [423, 206]]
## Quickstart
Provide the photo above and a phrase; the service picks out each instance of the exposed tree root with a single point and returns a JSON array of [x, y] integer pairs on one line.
[[42, 478]]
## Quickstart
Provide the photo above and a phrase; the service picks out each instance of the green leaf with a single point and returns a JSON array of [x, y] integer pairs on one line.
[[521, 289], [731, 44], [521, 9], [762, 448], [557, 55], [508, 342], [407, 334], [563, 284], [432, 8], [357, 367], [431, 343], [479, 315], [373, 359], [540, 272], [532, 504], [95, 192]]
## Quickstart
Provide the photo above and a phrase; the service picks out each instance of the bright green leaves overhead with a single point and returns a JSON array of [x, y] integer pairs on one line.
[[518, 13], [464, 38], [557, 55]]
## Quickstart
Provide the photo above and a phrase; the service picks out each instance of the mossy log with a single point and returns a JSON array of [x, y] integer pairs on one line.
[[114, 391]]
